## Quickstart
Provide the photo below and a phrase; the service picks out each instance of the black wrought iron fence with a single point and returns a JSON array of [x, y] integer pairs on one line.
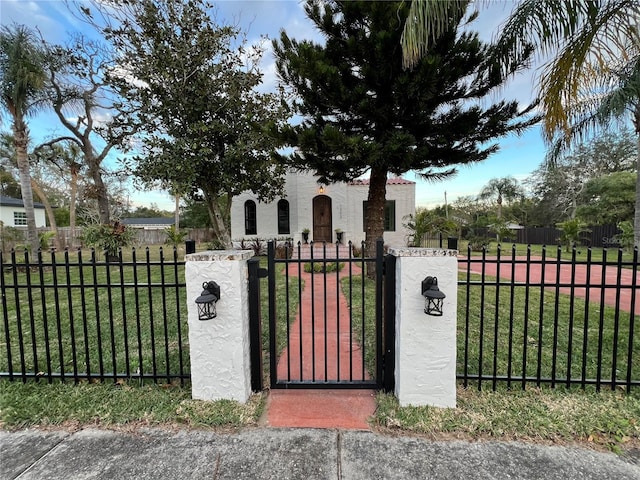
[[73, 316], [523, 319], [549, 319]]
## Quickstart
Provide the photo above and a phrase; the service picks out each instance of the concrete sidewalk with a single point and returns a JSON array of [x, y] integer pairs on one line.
[[268, 453]]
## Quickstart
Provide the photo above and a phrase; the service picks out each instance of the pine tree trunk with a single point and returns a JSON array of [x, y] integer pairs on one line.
[[375, 214], [21, 141]]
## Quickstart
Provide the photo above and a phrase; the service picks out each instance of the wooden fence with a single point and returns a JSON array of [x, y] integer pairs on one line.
[[65, 238]]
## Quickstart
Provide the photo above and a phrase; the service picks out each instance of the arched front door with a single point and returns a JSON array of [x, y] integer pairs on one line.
[[322, 219]]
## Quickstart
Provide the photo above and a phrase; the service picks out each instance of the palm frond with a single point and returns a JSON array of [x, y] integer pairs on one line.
[[426, 21]]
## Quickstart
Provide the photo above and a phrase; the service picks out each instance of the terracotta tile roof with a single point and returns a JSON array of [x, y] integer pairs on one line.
[[390, 181]]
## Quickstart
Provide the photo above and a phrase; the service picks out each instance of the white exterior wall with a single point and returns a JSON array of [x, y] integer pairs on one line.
[[346, 204], [6, 216], [405, 198], [219, 348], [425, 370]]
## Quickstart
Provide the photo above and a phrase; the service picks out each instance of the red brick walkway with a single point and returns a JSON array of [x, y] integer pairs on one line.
[[324, 350]]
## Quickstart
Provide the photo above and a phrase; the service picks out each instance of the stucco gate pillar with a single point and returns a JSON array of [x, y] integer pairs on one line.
[[425, 371], [219, 348]]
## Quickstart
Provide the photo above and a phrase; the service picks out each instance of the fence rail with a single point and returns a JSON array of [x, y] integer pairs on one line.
[[69, 316], [523, 320], [541, 320]]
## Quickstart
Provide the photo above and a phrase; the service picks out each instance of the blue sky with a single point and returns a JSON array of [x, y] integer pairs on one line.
[[518, 156]]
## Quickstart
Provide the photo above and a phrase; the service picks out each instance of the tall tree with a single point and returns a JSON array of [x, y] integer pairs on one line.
[[89, 109], [193, 84], [608, 199], [22, 78], [593, 77], [9, 154], [362, 112], [506, 188], [66, 158], [559, 186]]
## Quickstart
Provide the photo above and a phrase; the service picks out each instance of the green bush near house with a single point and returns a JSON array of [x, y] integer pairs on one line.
[[322, 267]]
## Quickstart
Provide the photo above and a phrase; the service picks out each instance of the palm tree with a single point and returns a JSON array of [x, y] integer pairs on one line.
[[506, 188], [592, 77], [22, 78]]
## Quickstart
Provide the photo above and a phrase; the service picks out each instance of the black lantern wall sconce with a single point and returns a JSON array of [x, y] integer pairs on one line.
[[206, 302], [433, 297]]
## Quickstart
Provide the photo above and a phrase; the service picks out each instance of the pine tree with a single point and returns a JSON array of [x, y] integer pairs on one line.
[[362, 112]]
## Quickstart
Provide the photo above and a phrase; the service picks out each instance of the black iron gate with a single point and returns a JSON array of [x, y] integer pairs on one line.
[[330, 325]]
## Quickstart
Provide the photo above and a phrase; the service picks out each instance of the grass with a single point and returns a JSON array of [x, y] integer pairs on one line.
[[360, 294], [118, 406], [608, 420], [554, 336], [569, 341]]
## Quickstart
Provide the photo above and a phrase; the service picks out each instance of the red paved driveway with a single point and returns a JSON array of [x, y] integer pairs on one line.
[[617, 283]]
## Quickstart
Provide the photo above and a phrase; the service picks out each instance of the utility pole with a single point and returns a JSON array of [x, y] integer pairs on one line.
[[446, 206]]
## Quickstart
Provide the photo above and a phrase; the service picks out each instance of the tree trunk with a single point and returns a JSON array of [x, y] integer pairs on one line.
[[72, 204], [47, 206], [21, 138], [176, 213], [217, 220], [100, 189], [636, 218], [375, 213]]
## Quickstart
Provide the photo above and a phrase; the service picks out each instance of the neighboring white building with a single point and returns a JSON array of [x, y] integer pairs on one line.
[[322, 209], [13, 214]]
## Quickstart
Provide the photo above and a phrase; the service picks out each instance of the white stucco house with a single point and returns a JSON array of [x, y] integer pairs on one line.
[[13, 214], [322, 209]]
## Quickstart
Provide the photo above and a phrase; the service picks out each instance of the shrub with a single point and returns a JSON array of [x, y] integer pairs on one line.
[[109, 238], [216, 244], [175, 236], [626, 237], [320, 267], [571, 231], [45, 239]]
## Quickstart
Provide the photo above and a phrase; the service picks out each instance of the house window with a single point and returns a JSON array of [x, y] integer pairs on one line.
[[250, 222], [19, 218], [389, 215], [283, 217]]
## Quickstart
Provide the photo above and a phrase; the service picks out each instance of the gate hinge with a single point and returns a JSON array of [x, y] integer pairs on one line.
[[263, 273]]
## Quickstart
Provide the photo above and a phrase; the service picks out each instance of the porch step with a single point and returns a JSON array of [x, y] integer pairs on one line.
[[320, 252]]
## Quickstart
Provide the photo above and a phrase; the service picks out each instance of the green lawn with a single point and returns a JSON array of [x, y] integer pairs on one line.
[[102, 317], [571, 347], [551, 336]]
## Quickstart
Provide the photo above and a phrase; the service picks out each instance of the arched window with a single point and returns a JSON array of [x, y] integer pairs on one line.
[[283, 217], [250, 220]]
